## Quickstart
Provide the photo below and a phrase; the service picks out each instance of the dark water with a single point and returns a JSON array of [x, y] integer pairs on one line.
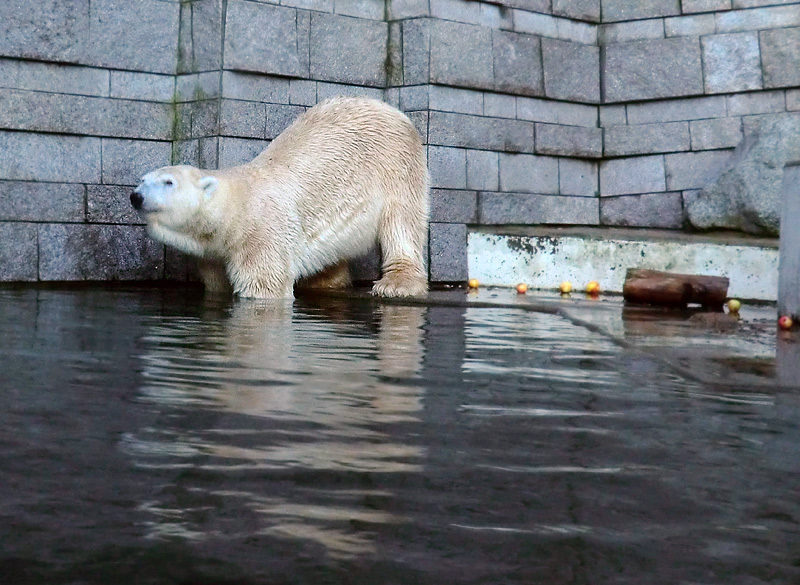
[[149, 436]]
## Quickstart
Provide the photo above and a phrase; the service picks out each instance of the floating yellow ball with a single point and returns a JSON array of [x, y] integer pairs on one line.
[[734, 305], [473, 283], [593, 287], [522, 288], [566, 287]]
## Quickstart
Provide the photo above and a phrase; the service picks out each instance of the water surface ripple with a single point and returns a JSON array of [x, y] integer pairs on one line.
[[150, 436]]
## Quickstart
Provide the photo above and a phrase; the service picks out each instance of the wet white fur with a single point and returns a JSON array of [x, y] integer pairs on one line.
[[347, 173]]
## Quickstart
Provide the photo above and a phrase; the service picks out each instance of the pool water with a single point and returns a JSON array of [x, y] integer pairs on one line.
[[149, 435]]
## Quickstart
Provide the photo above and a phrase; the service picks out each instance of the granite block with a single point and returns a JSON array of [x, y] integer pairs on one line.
[[416, 51], [499, 105], [731, 62], [237, 151], [453, 206], [126, 161], [634, 175], [48, 29], [280, 117], [646, 139], [448, 252], [267, 39], [142, 86], [254, 87], [635, 30], [446, 99], [111, 204], [18, 252], [780, 54], [482, 170], [613, 116], [461, 55], [98, 252], [402, 9], [793, 100], [762, 102], [553, 112], [348, 50], [690, 26], [302, 92], [716, 133], [649, 210], [574, 141], [588, 10], [448, 129], [577, 177], [242, 119], [54, 77], [528, 173], [517, 63], [48, 157], [677, 110], [616, 10], [535, 23], [326, 90], [150, 30], [694, 170], [367, 9], [26, 201], [448, 167], [534, 209], [571, 71], [83, 115], [652, 69], [693, 6], [758, 19]]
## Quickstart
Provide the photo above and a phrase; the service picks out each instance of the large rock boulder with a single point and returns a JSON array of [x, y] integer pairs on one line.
[[747, 195]]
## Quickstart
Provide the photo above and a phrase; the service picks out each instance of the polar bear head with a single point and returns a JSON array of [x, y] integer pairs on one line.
[[174, 202]]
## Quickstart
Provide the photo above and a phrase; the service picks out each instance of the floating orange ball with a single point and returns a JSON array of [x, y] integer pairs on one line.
[[785, 322], [566, 287], [473, 283], [593, 287], [522, 288]]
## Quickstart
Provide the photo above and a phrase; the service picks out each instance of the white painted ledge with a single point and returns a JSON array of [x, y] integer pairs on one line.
[[543, 258]]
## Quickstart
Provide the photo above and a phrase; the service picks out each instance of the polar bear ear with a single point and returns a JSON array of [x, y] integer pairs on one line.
[[208, 185]]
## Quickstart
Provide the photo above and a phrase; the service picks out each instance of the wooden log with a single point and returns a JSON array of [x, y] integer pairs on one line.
[[674, 290]]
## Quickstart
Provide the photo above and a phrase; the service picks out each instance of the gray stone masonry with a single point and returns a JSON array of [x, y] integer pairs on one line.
[[576, 112]]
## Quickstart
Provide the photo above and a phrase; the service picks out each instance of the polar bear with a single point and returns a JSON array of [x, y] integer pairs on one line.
[[347, 173]]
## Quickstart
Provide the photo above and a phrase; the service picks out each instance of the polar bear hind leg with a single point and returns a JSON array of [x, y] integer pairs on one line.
[[333, 277], [402, 234]]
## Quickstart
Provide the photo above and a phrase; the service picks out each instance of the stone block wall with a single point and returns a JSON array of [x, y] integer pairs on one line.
[[578, 112]]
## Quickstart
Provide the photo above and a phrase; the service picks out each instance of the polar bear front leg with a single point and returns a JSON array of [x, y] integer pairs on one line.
[[214, 276], [264, 278]]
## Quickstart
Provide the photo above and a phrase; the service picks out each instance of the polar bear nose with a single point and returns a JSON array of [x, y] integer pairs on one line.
[[137, 200]]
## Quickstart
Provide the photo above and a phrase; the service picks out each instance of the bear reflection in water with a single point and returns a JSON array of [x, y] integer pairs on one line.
[[270, 392]]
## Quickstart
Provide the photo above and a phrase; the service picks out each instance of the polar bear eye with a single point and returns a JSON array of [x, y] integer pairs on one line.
[[169, 182]]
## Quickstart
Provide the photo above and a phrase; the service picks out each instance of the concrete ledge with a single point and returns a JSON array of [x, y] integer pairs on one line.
[[544, 257]]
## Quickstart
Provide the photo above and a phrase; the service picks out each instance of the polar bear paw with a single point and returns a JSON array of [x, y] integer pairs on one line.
[[400, 285]]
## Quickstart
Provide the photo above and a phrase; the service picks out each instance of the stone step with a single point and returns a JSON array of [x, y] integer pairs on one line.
[[544, 257]]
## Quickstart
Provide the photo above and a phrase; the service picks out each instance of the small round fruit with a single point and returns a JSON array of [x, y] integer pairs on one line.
[[473, 283], [593, 287], [734, 305], [566, 287], [522, 288], [785, 322]]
